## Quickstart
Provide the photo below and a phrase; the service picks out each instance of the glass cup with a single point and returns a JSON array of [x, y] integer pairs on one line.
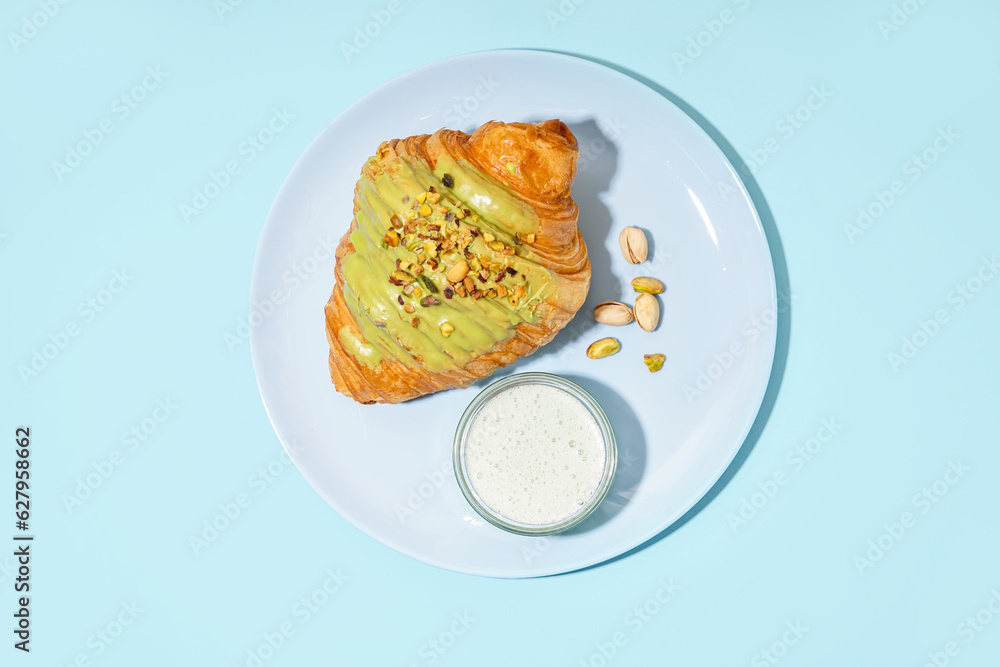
[[581, 395]]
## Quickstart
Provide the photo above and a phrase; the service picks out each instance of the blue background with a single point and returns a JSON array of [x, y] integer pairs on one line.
[[894, 78]]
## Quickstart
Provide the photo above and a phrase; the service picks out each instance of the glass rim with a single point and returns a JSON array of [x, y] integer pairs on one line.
[[588, 401]]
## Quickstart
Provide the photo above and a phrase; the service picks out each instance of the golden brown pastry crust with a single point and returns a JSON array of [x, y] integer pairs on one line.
[[546, 154]]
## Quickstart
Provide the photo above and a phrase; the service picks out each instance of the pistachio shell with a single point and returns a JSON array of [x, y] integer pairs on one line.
[[633, 244], [603, 348], [614, 313], [654, 362], [647, 311], [647, 285]]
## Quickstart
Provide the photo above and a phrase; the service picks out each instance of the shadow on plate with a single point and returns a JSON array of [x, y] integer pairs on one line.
[[781, 283], [631, 453]]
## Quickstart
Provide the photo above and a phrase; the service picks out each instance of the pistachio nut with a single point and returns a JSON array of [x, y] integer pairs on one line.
[[647, 285], [604, 347], [614, 313], [654, 362], [458, 271], [633, 244], [647, 311]]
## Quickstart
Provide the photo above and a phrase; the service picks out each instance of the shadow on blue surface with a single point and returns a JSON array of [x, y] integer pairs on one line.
[[784, 315]]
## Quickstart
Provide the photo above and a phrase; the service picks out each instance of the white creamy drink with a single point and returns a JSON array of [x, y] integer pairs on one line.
[[534, 454]]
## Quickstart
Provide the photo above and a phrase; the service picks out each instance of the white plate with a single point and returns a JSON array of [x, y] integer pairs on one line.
[[386, 468]]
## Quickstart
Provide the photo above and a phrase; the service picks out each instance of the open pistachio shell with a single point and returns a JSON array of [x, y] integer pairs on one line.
[[614, 313], [634, 246], [647, 311]]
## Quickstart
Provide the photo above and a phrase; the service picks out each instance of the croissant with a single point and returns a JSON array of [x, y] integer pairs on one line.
[[463, 256]]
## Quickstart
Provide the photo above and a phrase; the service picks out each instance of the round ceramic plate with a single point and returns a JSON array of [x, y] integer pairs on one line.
[[387, 468]]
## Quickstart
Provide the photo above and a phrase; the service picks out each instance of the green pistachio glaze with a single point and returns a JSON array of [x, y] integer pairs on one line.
[[363, 352], [479, 325]]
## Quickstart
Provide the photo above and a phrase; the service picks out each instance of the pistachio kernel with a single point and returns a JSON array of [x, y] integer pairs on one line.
[[428, 284], [400, 278], [604, 347], [654, 362], [648, 285], [458, 271]]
